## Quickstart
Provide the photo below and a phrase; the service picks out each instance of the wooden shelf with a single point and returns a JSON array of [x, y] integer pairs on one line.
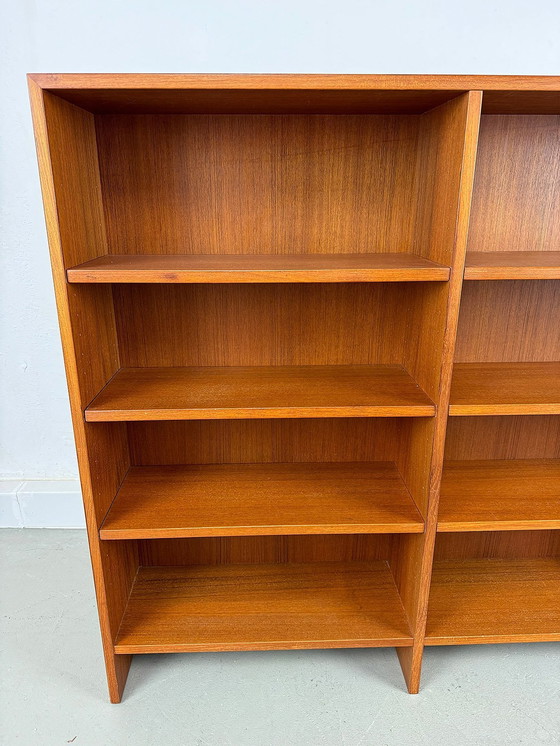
[[512, 265], [305, 547], [259, 391], [263, 607], [494, 600], [163, 502], [505, 388], [500, 495], [221, 268]]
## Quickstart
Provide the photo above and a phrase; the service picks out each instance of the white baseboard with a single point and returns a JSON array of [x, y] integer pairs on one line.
[[41, 503]]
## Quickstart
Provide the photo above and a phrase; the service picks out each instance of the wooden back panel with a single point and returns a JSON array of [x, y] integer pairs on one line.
[[255, 549], [264, 324], [508, 437], [509, 321], [267, 441], [498, 545], [265, 184], [517, 184]]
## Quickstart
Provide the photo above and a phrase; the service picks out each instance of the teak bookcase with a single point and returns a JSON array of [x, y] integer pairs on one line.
[[313, 407]]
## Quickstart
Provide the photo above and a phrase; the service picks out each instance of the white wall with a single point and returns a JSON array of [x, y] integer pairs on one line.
[[394, 36]]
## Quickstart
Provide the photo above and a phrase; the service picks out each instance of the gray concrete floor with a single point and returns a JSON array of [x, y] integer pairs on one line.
[[53, 683]]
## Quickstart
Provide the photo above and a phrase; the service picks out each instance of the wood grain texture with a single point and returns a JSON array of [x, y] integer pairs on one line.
[[505, 437], [254, 392], [293, 233], [292, 81], [258, 184], [271, 324], [512, 545], [240, 268], [269, 441], [336, 439], [512, 265], [68, 169], [255, 499], [496, 600], [500, 495], [263, 607], [516, 321], [505, 388], [254, 93], [442, 222], [242, 550], [517, 185]]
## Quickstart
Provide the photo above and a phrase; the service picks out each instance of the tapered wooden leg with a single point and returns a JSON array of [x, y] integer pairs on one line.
[[117, 674], [411, 664]]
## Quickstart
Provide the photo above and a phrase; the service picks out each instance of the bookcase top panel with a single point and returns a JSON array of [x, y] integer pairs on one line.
[[278, 93]]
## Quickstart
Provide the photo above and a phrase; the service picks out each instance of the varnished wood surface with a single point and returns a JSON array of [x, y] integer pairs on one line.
[[505, 388], [294, 81], [271, 324], [268, 441], [512, 265], [515, 321], [283, 93], [328, 167], [70, 183], [503, 437], [448, 150], [517, 185], [241, 184], [257, 550], [247, 392], [500, 495], [263, 607], [254, 499], [494, 600], [239, 268], [513, 545]]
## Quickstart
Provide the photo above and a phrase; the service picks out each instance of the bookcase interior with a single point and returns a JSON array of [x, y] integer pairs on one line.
[[313, 405]]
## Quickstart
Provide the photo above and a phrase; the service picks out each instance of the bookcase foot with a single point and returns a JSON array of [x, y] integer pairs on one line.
[[411, 664], [117, 674]]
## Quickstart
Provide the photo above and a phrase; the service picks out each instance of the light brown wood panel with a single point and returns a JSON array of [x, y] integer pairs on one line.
[[238, 268], [65, 140], [255, 392], [512, 265], [90, 83], [247, 101], [517, 185], [292, 324], [505, 388], [498, 545], [261, 499], [506, 437], [516, 321], [263, 607], [267, 441], [165, 93], [296, 174], [266, 549], [442, 222], [496, 600], [525, 102], [258, 185], [503, 495]]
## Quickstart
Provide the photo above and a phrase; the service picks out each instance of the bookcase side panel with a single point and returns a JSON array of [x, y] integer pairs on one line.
[[447, 151], [65, 138]]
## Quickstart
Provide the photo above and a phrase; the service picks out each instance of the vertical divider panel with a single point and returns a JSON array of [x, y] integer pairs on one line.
[[445, 171], [69, 173]]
